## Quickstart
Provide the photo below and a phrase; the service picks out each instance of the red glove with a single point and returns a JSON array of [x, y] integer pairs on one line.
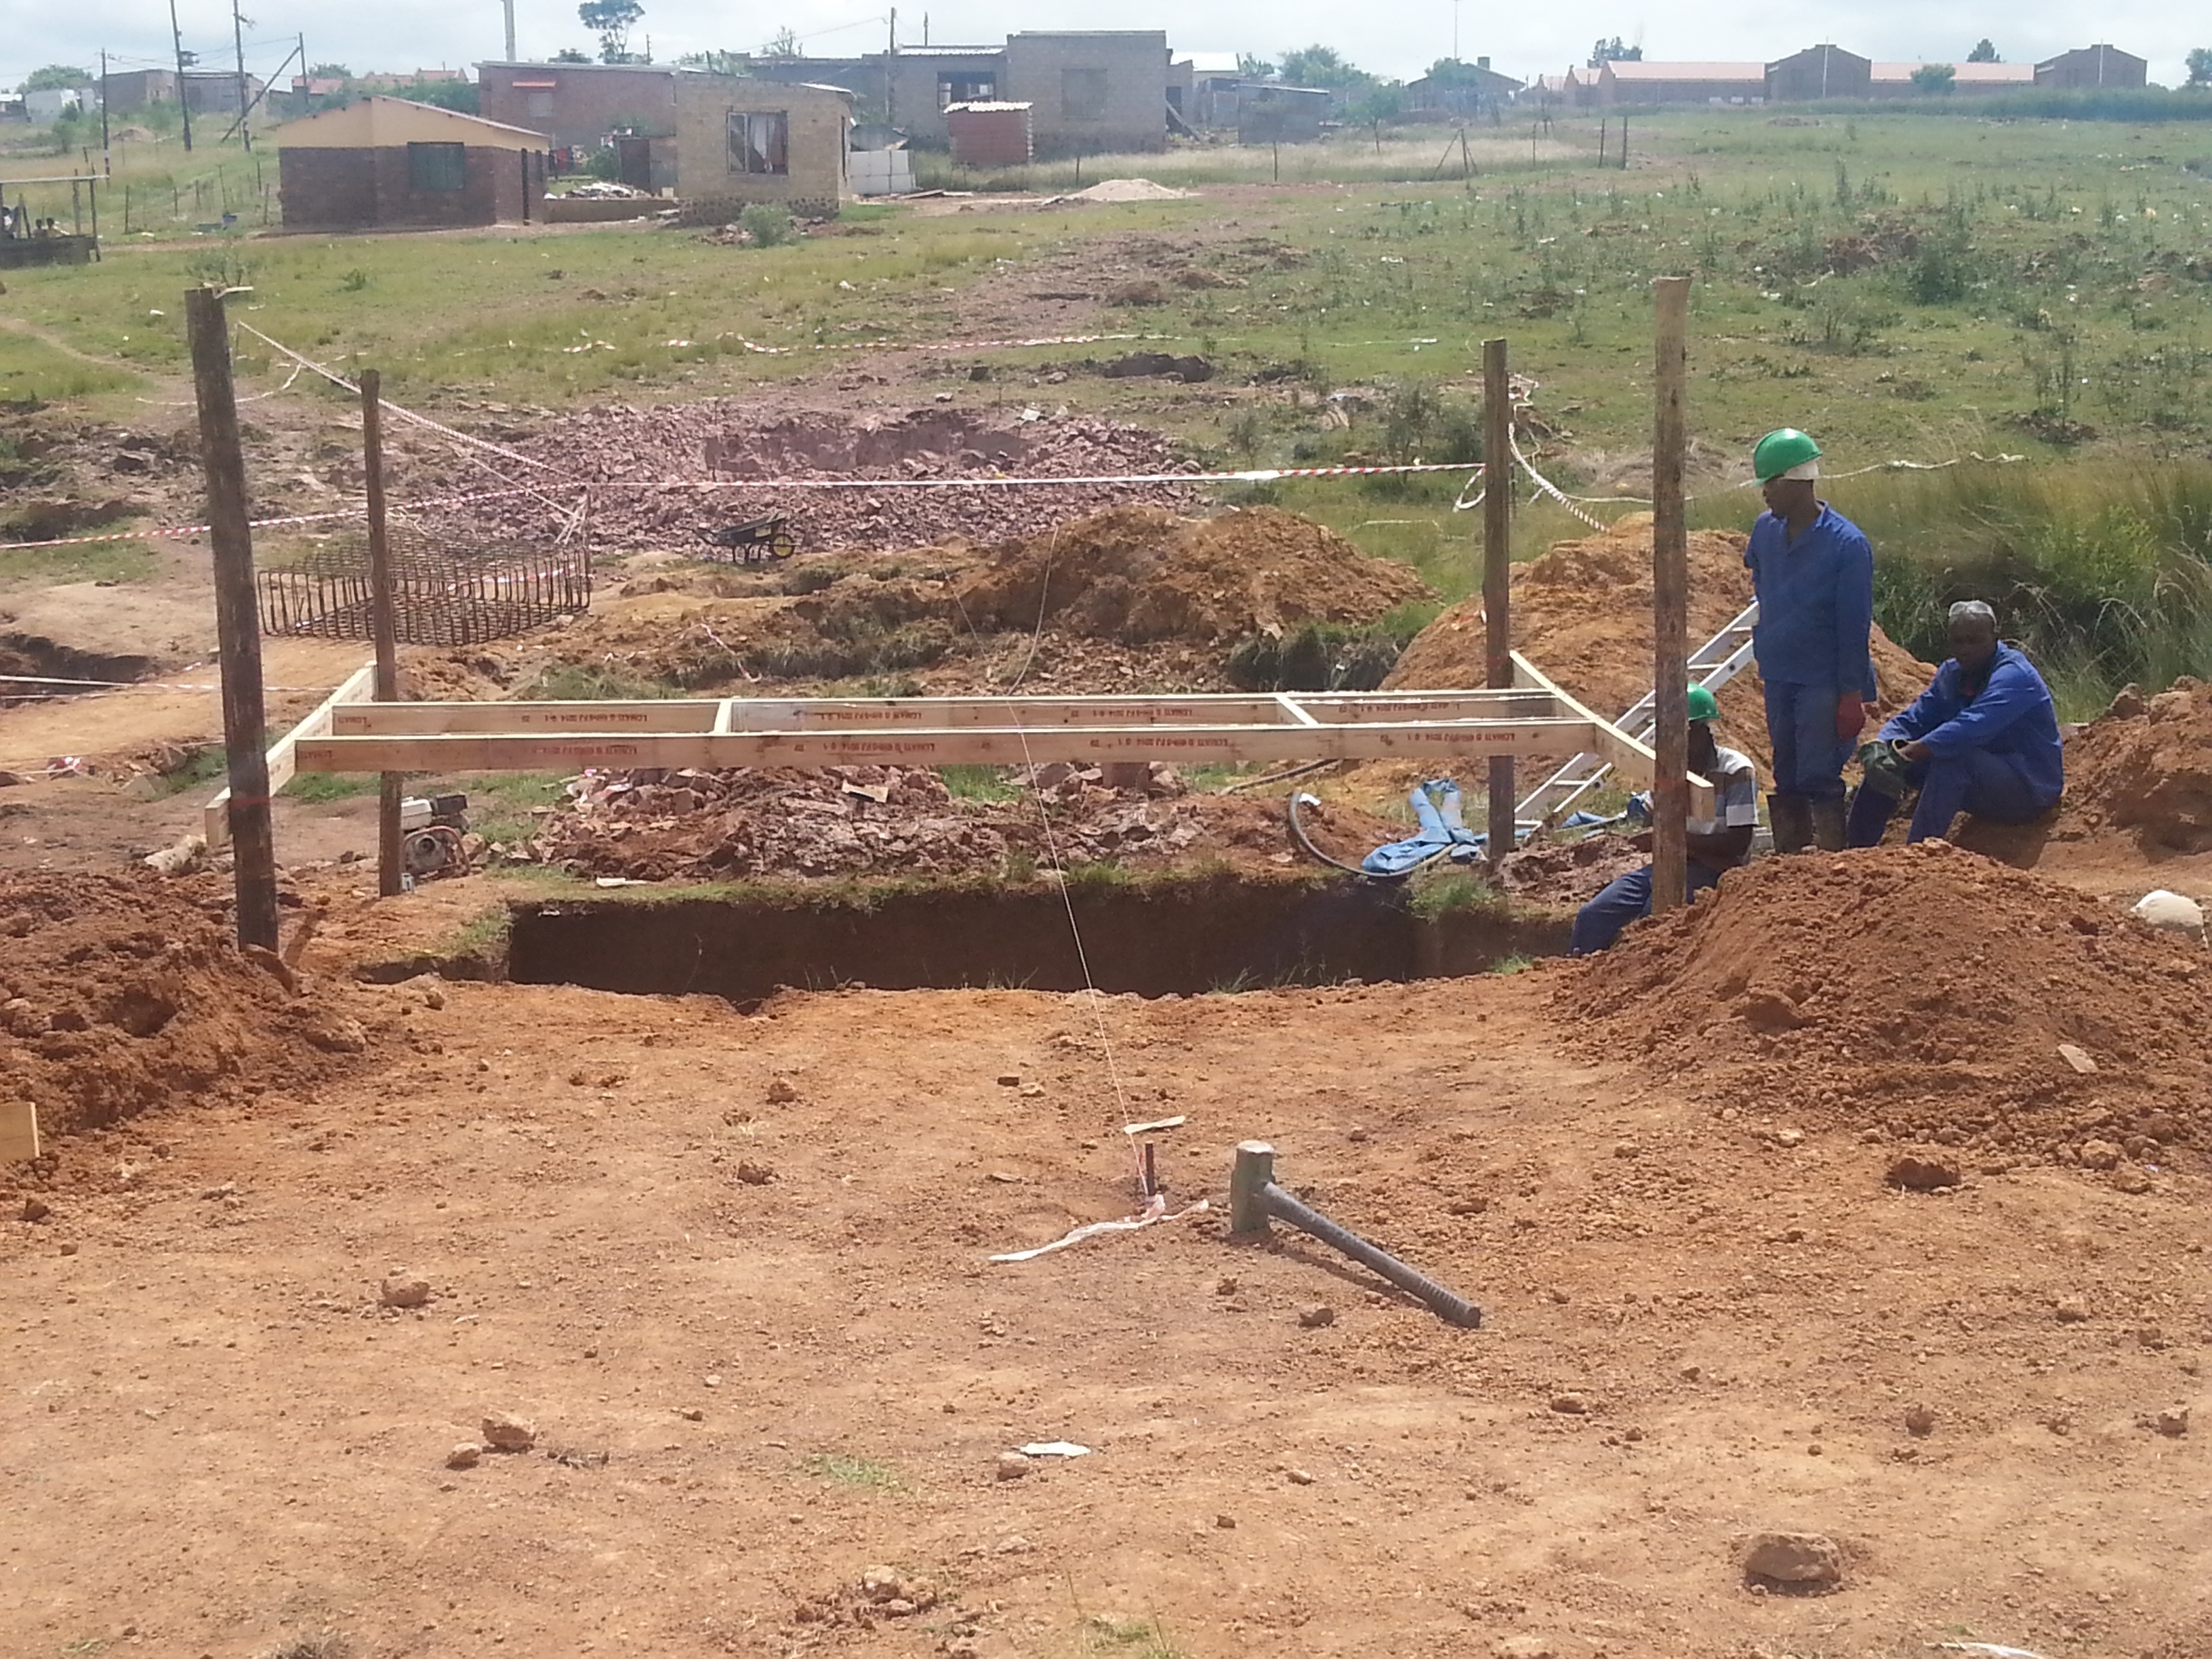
[[1851, 717]]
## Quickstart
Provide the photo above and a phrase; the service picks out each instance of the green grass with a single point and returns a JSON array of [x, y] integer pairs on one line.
[[321, 788], [1103, 1637], [501, 803], [1511, 964], [843, 1471], [33, 371], [978, 783], [1434, 893], [484, 935]]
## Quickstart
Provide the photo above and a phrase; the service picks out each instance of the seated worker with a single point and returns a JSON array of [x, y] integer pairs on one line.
[[1716, 844], [1982, 738]]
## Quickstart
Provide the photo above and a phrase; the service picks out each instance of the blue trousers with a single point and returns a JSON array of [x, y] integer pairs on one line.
[[1809, 756], [1988, 785], [1626, 899]]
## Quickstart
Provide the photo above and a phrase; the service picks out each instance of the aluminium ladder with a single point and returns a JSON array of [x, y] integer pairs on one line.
[[1712, 666]]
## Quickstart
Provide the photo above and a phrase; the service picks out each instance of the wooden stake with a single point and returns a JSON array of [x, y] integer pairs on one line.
[[19, 1132], [238, 625], [1253, 1173], [1670, 597], [1498, 572], [383, 627]]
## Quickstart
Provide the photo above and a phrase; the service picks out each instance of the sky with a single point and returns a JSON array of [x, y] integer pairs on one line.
[[1396, 38]]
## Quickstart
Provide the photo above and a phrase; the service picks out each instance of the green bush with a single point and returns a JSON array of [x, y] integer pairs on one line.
[[769, 227]]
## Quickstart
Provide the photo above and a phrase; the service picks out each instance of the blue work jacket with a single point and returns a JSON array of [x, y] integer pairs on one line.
[[1815, 602], [2009, 713]]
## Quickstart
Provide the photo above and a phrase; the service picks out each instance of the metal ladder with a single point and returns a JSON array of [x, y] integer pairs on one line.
[[1712, 666]]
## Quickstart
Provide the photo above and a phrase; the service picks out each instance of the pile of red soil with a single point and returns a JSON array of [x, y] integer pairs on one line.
[[2143, 771], [1922, 992], [1139, 574], [121, 992], [1582, 614]]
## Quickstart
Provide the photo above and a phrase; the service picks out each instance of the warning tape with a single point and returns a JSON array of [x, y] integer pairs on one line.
[[139, 685], [941, 345]]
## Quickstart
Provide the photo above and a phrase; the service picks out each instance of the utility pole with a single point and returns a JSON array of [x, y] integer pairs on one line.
[[1497, 576], [890, 74], [183, 98], [238, 625], [510, 32], [238, 35], [106, 160]]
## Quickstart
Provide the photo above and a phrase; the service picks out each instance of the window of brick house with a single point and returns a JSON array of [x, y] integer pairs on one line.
[[1083, 95], [540, 105], [437, 167], [760, 142], [966, 88]]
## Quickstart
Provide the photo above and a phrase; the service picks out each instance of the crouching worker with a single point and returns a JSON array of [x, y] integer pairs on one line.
[[1982, 738], [1716, 844]]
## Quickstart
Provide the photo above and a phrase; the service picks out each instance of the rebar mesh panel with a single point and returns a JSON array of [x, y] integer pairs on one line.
[[443, 592]]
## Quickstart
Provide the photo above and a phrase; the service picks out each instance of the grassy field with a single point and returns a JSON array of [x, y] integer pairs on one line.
[[1908, 286]]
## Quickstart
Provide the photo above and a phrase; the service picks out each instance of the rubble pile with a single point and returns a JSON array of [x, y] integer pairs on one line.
[[726, 438], [1920, 994]]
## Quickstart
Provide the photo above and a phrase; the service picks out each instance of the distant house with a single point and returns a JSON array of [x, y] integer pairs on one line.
[[46, 105], [578, 105], [132, 89], [2092, 66], [387, 163], [1270, 114], [1576, 88], [216, 92], [1621, 82], [1895, 80], [1470, 90], [741, 140], [1203, 88], [993, 134], [1092, 92], [1818, 72]]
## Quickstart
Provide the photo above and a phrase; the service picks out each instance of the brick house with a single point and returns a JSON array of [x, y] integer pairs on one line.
[[1818, 72], [1895, 80], [1091, 92], [2092, 66], [740, 141], [579, 105], [385, 163], [1621, 82]]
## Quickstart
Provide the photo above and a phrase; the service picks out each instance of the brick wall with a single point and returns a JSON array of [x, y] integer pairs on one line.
[[711, 188], [585, 103], [1818, 72], [374, 188], [1091, 93]]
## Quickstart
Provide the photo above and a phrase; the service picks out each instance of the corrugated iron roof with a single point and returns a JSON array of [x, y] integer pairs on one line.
[[1624, 69]]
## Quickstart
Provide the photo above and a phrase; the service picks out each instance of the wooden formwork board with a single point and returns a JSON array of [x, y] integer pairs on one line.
[[1631, 758], [283, 762], [19, 1132]]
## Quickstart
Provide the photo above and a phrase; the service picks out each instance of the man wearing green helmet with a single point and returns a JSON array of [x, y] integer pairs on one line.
[[1813, 571], [1716, 844]]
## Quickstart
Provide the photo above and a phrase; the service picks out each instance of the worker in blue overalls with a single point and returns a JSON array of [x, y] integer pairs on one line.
[[1982, 738], [1812, 571]]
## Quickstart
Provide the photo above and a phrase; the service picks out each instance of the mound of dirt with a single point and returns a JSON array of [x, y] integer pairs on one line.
[[887, 820], [1139, 574], [1922, 992], [726, 439], [1581, 613], [121, 992], [2143, 770]]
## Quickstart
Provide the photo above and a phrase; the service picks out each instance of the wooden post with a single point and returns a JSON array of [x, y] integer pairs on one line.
[[1498, 572], [383, 628], [238, 625], [1670, 598], [1249, 1180]]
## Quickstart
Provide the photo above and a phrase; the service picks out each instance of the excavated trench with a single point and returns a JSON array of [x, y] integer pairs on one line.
[[1155, 939]]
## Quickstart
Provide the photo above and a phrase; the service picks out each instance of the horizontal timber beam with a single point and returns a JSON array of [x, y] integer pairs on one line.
[[1632, 759]]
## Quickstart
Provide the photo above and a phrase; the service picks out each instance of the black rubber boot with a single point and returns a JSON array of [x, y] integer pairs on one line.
[[1828, 825], [1791, 819]]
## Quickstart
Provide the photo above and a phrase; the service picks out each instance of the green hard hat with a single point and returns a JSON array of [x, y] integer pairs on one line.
[[1780, 450], [1702, 705]]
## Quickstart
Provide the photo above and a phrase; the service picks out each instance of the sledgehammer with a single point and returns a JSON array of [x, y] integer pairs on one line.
[[1254, 1200]]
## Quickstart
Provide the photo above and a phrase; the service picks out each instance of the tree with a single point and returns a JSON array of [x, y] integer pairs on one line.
[[571, 55], [1985, 52], [2200, 67], [611, 20], [1454, 72], [55, 76], [1320, 66], [1612, 52], [1934, 77], [1381, 102], [785, 45], [329, 72], [1254, 69]]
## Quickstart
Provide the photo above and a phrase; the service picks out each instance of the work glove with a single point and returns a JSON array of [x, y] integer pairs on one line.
[[1851, 717], [1884, 767]]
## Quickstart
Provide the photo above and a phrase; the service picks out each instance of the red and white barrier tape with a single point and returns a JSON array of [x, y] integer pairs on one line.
[[939, 345]]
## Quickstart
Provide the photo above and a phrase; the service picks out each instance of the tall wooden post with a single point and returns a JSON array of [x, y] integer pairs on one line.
[[1498, 572], [238, 625], [1670, 597], [383, 628]]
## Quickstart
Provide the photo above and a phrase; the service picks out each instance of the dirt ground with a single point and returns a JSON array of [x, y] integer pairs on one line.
[[735, 1271]]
